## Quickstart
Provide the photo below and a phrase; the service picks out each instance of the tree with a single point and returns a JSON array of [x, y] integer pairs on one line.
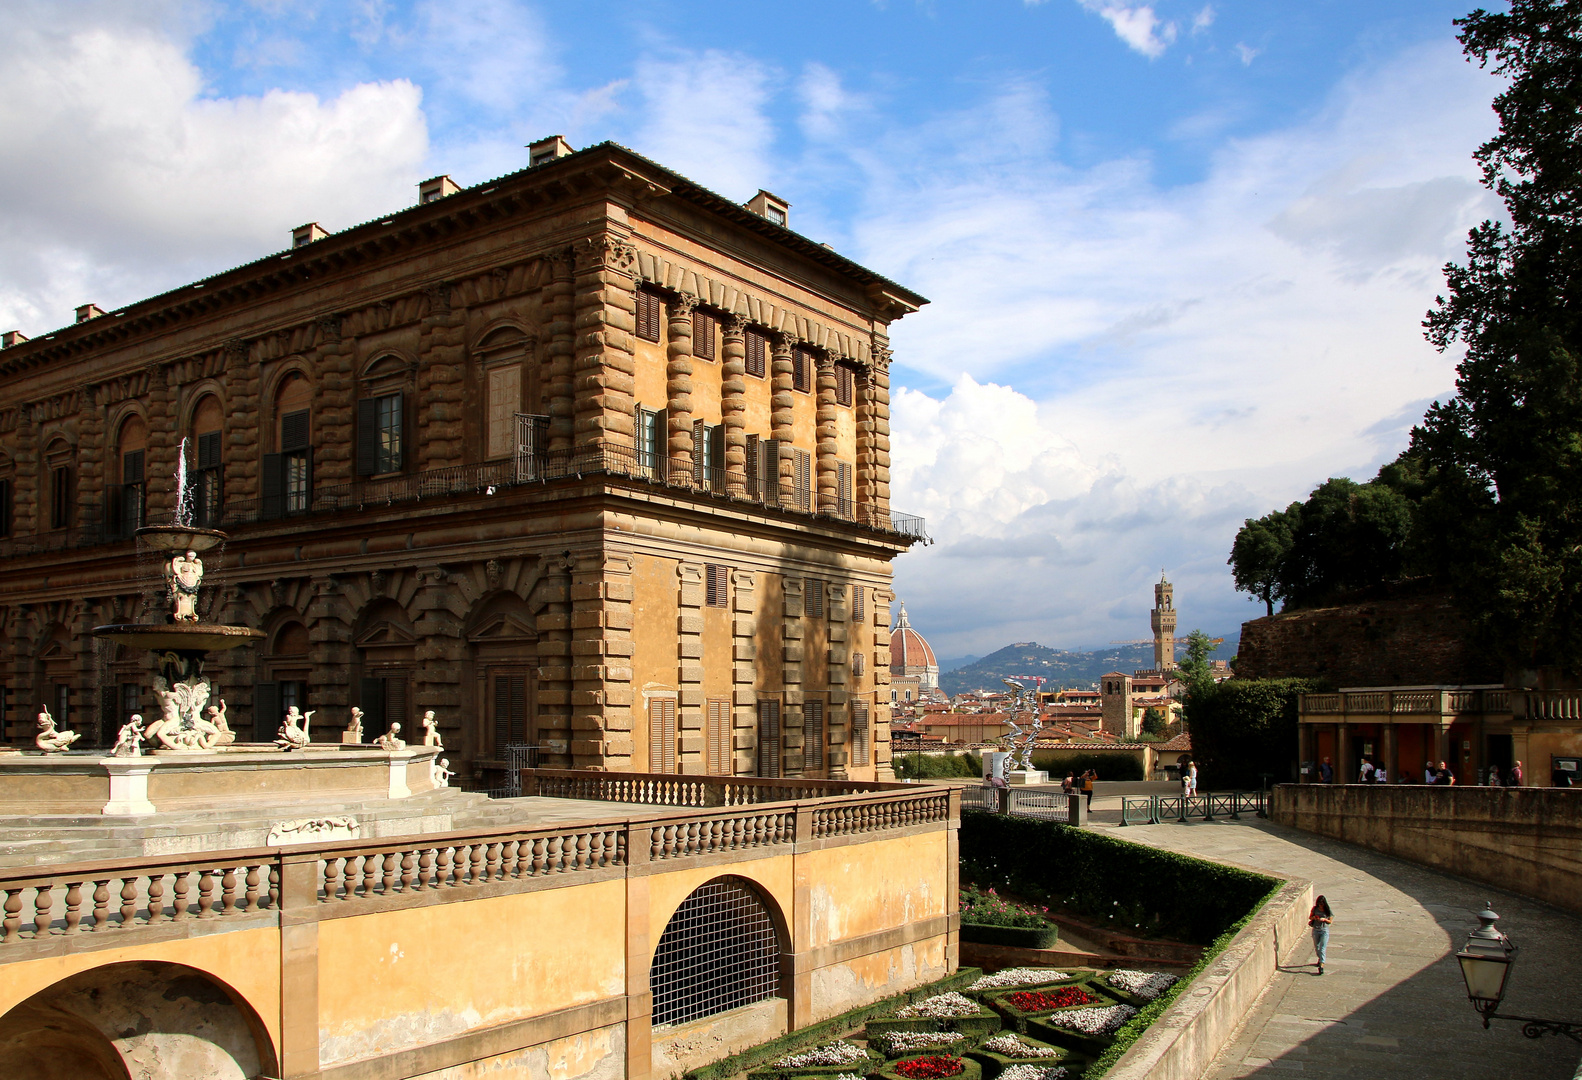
[[1195, 670], [1154, 722], [1347, 536], [1506, 452], [1259, 553], [1242, 728]]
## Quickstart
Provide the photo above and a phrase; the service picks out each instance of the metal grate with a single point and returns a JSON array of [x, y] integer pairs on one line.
[[718, 952]]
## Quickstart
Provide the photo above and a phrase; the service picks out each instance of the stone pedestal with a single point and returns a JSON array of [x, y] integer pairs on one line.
[[1027, 777]]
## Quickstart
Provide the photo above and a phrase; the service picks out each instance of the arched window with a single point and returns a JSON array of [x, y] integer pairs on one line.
[[287, 481], [128, 495], [719, 951], [208, 423], [381, 417], [285, 682], [508, 388], [58, 456]]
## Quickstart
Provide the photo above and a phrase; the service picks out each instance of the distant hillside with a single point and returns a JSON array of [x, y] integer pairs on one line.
[[1059, 667], [956, 662]]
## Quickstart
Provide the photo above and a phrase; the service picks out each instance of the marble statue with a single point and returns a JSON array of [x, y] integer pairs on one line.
[[391, 740], [431, 731], [50, 739], [354, 730], [181, 725], [442, 772], [183, 575], [130, 742], [293, 733], [223, 735]]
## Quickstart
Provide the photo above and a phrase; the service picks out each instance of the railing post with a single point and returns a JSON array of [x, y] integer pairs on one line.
[[1077, 811]]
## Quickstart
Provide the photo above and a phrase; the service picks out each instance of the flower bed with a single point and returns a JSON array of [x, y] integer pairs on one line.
[[1041, 1001], [1011, 1045], [1144, 985], [989, 919], [831, 1054], [1034, 1072], [950, 1011], [1001, 980], [940, 1007], [933, 1067], [1086, 1029], [894, 1044]]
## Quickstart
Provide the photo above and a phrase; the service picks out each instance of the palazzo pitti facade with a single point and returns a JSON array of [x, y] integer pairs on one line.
[[586, 458]]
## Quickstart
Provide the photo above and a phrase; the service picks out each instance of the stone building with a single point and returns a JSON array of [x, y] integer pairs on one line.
[[587, 458], [911, 656]]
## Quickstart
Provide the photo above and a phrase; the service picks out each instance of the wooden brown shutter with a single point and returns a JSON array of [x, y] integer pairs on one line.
[[813, 597], [752, 467], [272, 487], [858, 603], [647, 315], [209, 450], [700, 446], [510, 710], [769, 738], [803, 479], [845, 385], [757, 346], [719, 737], [5, 507], [859, 733], [716, 585], [294, 431], [801, 371], [813, 734], [843, 487], [769, 466], [703, 335], [662, 735], [858, 662]]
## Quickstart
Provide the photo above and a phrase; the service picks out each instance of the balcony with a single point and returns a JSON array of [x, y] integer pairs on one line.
[[1404, 704]]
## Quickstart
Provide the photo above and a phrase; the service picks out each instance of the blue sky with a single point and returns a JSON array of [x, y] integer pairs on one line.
[[1178, 252]]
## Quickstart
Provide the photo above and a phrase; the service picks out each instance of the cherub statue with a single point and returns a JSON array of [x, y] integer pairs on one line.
[[49, 738], [293, 733], [442, 773], [130, 742], [222, 734], [354, 730], [431, 731], [183, 575], [391, 740], [181, 725]]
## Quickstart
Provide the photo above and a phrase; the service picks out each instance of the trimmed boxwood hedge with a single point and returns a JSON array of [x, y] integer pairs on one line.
[[1019, 937], [1017, 1019], [971, 1070], [1138, 889]]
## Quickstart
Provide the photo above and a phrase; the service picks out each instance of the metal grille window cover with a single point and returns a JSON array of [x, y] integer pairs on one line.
[[719, 951]]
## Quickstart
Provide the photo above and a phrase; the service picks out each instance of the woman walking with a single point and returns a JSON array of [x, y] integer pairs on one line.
[[1319, 919]]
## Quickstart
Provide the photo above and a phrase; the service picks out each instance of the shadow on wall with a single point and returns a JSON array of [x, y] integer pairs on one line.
[[131, 1021]]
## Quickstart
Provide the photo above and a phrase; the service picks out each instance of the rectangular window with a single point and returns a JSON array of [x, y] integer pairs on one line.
[[131, 496], [813, 734], [379, 435], [845, 385], [510, 709], [295, 485], [768, 738], [206, 490], [62, 705], [131, 700], [5, 507], [651, 443], [843, 488], [859, 603], [802, 479], [703, 335], [858, 664], [503, 393], [813, 597], [60, 497], [716, 585], [802, 371], [763, 469], [757, 349], [859, 733], [647, 315], [662, 734], [719, 737]]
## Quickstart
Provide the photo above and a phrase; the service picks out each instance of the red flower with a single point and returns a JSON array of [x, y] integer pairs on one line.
[[1035, 1001], [933, 1067]]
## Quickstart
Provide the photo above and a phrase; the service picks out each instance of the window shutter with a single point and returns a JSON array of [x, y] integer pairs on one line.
[[132, 467], [367, 438], [843, 487], [769, 738], [859, 733], [294, 431], [5, 507], [845, 388], [801, 371], [662, 735], [859, 603], [717, 456], [716, 585], [813, 733], [400, 433], [647, 315], [813, 597], [702, 335], [858, 663], [752, 467], [272, 488], [756, 347], [719, 734], [769, 461], [209, 450], [266, 711], [804, 479], [700, 445], [371, 699]]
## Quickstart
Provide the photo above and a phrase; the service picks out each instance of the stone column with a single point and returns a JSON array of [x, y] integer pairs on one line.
[[441, 383], [691, 747], [334, 407], [29, 513], [601, 661], [606, 318], [744, 628], [828, 494], [159, 469], [438, 609], [780, 415], [553, 722], [1304, 745], [873, 432], [240, 460], [1441, 732], [1343, 770], [91, 451], [733, 404], [559, 355], [792, 646], [678, 390]]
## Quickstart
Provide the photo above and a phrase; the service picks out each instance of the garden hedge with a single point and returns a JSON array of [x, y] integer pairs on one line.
[[919, 766], [1136, 889], [1109, 766]]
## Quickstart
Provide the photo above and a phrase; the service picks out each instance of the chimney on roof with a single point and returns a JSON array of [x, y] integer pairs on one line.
[[304, 235], [436, 188], [546, 150], [89, 311], [12, 337], [769, 207]]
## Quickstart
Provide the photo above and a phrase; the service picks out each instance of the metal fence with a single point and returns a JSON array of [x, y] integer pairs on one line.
[[1022, 802], [1156, 809]]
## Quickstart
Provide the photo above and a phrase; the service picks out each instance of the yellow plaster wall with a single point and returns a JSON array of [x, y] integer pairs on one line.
[[592, 1055], [248, 961], [654, 660], [865, 888], [405, 978], [649, 388], [706, 379]]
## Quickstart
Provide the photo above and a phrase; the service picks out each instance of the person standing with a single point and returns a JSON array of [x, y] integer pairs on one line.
[[1319, 919], [1087, 786], [1365, 772], [1446, 777], [1493, 779], [1514, 777], [1326, 772], [1430, 774], [1192, 778]]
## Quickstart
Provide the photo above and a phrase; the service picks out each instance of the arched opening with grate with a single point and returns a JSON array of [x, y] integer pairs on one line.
[[720, 951]]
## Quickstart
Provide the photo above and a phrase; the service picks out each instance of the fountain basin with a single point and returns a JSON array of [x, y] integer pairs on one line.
[[180, 637], [180, 538]]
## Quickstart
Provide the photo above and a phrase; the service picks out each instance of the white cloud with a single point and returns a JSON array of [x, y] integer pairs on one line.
[[122, 178], [1203, 19], [1246, 53], [1136, 25]]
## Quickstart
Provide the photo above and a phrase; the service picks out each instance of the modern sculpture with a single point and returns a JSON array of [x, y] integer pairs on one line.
[[1021, 739]]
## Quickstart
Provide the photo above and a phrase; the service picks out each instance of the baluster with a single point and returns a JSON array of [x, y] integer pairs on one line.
[[540, 855], [656, 845], [425, 868], [479, 853], [73, 906], [228, 891], [408, 870], [101, 904], [42, 920], [446, 855], [513, 858], [392, 865], [495, 851], [13, 915], [556, 843], [582, 851], [206, 894], [156, 898], [332, 878], [182, 883], [274, 886], [373, 873], [251, 898], [129, 901]]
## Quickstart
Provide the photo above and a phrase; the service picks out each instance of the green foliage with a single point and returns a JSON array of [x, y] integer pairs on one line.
[[1257, 557], [936, 766], [1109, 766], [1154, 721], [1243, 727], [1139, 889], [992, 909], [1194, 668]]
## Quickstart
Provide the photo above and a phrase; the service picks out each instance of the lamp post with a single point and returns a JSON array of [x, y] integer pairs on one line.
[[1486, 961]]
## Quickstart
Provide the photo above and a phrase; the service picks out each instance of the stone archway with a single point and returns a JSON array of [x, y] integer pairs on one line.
[[135, 1021]]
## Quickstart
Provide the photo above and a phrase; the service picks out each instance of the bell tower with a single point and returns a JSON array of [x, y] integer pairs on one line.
[[1163, 618]]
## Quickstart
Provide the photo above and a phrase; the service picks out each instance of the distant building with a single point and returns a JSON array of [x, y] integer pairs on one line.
[[1163, 620], [911, 655]]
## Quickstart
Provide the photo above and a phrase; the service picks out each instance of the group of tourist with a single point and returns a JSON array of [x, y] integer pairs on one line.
[[1074, 784], [1372, 772]]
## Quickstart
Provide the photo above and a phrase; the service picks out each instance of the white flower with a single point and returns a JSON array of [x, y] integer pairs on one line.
[[941, 1007], [897, 1043], [1097, 1021], [1011, 1046], [1146, 985], [1034, 1072], [1018, 977], [848, 1076], [835, 1053]]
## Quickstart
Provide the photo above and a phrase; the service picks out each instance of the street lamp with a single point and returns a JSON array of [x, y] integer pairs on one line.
[[1486, 961]]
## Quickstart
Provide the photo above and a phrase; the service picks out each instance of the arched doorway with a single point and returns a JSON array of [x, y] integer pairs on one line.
[[502, 643], [135, 1021], [386, 658], [720, 951]]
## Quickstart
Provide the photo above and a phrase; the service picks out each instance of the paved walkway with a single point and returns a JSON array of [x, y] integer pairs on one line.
[[1391, 1002]]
